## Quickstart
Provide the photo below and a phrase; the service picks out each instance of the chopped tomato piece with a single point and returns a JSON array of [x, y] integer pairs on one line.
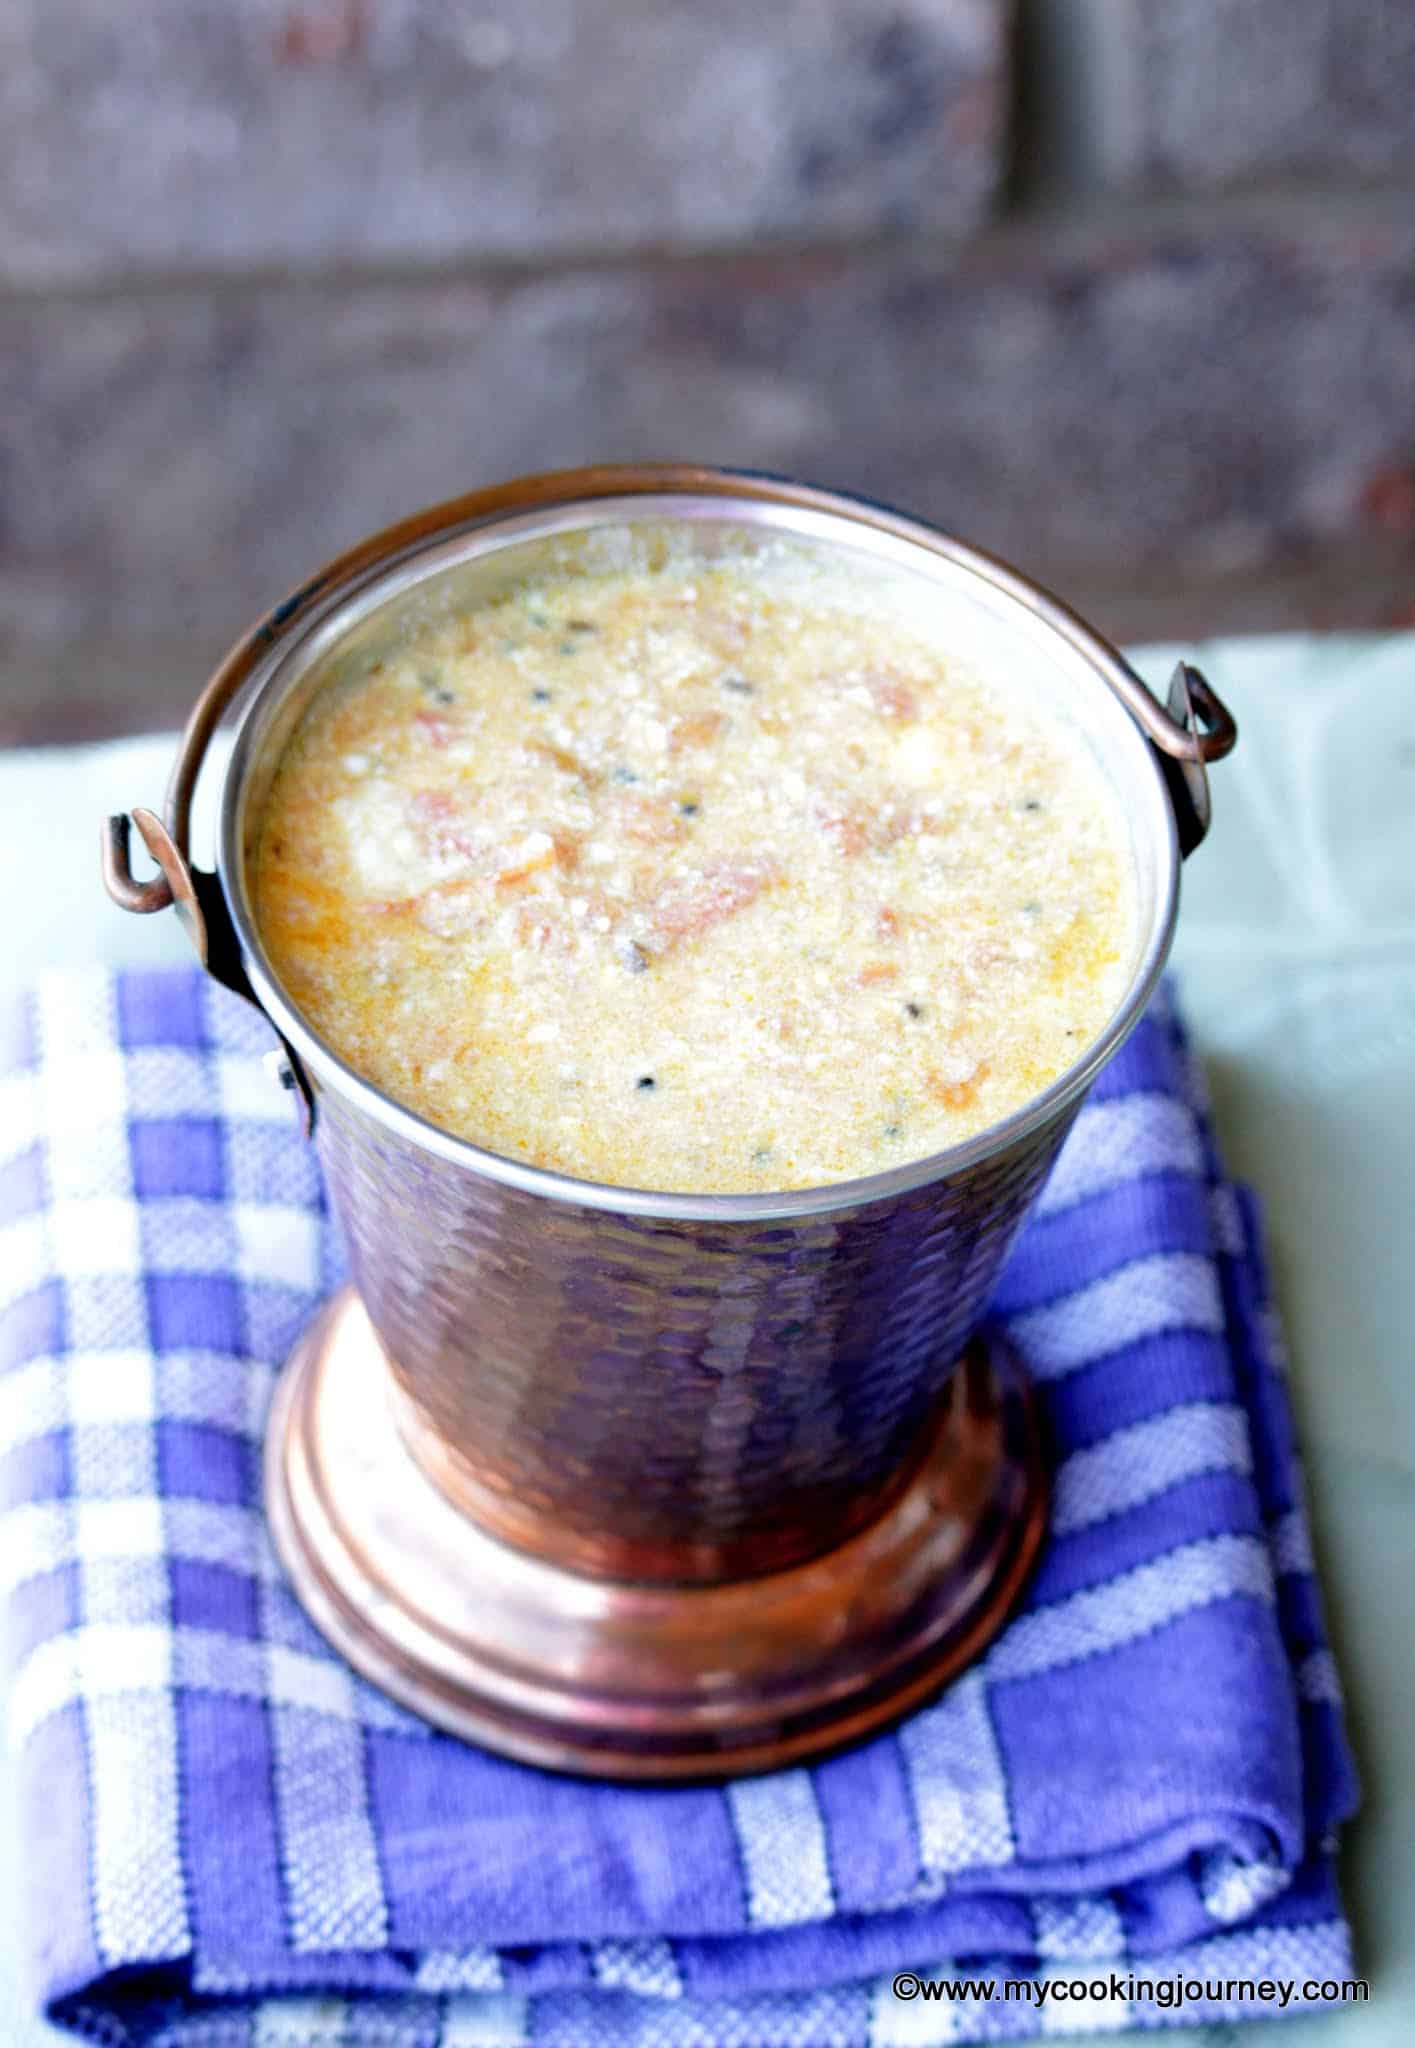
[[437, 729], [844, 830], [697, 903], [514, 864], [433, 803], [956, 1094], [561, 758], [699, 731], [894, 698], [856, 831]]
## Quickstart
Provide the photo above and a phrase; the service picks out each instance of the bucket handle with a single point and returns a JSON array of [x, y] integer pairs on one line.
[[1192, 728], [169, 843], [195, 894]]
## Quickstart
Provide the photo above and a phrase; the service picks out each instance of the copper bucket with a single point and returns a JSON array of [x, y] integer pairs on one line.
[[649, 1484]]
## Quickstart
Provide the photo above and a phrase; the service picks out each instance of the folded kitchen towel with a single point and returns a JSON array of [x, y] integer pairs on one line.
[[233, 1842]]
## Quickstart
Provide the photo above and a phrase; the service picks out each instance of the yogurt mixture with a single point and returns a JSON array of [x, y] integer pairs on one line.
[[696, 874]]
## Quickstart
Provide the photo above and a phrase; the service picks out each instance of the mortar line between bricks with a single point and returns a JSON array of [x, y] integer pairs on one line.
[[1064, 225]]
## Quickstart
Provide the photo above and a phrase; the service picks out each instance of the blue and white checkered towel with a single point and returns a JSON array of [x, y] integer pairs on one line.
[[233, 1842]]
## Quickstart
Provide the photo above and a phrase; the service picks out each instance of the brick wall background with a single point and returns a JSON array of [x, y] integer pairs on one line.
[[1124, 289]]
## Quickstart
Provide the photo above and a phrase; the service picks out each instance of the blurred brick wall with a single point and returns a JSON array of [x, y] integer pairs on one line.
[[1124, 289]]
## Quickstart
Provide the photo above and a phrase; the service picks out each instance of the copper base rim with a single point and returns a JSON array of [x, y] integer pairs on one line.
[[636, 1680]]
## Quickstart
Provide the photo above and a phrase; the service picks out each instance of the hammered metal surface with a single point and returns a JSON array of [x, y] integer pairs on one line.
[[634, 1679], [655, 1398]]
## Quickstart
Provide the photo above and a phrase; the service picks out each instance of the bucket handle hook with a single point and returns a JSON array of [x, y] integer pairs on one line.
[[195, 894]]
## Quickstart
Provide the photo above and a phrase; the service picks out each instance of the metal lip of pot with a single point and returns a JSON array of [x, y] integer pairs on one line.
[[828, 518]]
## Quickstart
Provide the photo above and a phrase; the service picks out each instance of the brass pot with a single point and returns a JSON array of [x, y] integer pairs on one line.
[[656, 1484]]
